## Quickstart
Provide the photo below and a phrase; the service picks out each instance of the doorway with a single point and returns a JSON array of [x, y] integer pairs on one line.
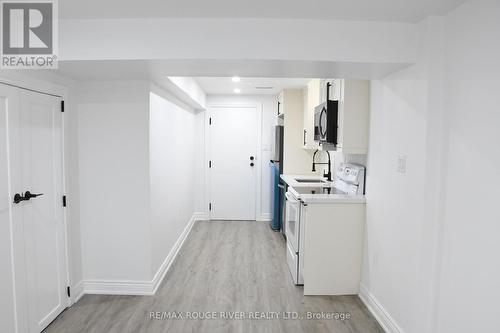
[[33, 233], [233, 165]]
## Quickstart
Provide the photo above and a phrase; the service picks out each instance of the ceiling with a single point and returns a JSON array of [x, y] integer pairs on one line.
[[374, 10], [249, 85]]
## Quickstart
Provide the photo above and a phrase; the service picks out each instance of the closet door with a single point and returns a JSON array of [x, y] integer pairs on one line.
[[13, 305], [33, 246], [41, 134]]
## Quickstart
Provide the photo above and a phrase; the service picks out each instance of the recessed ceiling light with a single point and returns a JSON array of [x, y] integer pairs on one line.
[[237, 90], [236, 79]]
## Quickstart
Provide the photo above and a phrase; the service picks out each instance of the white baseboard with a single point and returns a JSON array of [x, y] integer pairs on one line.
[[160, 274], [77, 292], [111, 287], [148, 288], [383, 317], [264, 217]]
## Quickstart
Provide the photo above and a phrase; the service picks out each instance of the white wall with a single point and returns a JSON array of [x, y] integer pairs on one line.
[[250, 39], [137, 175], [394, 225], [114, 180], [429, 260], [172, 173], [73, 188], [269, 119], [470, 277], [200, 165]]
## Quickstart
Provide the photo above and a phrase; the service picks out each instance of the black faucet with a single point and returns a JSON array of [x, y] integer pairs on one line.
[[329, 174]]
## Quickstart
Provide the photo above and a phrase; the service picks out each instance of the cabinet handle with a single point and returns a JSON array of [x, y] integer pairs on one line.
[[305, 133]]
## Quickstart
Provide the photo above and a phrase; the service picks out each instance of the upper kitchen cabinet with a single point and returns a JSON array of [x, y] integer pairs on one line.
[[354, 116], [353, 98], [295, 159], [312, 99]]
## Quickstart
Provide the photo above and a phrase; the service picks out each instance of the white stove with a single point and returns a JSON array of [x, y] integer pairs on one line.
[[350, 178]]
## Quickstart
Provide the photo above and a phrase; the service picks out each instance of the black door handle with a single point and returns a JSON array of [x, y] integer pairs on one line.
[[28, 195], [252, 158], [251, 164], [18, 198]]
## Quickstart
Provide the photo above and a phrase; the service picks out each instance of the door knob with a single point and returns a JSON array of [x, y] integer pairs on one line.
[[251, 164], [18, 198], [28, 195], [252, 158]]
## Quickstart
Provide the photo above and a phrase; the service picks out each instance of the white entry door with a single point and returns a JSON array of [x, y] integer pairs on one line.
[[34, 162], [233, 158]]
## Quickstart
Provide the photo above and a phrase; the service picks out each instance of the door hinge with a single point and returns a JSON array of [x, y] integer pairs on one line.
[[62, 106], [64, 201], [210, 121], [210, 206], [209, 164], [68, 291]]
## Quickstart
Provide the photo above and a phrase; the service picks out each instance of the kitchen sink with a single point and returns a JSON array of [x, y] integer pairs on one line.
[[306, 180]]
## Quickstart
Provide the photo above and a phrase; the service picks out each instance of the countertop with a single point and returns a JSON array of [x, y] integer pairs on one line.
[[320, 198]]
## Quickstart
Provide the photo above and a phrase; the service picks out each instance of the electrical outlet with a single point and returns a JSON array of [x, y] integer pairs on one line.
[[401, 164]]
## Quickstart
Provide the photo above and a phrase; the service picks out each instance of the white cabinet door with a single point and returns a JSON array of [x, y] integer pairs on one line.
[[234, 163], [37, 232], [333, 248], [313, 100], [354, 116]]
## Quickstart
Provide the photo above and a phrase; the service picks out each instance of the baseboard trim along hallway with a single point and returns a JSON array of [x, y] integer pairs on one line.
[[142, 288], [378, 311]]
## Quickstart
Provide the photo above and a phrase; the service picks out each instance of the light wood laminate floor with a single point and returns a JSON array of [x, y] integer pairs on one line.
[[223, 266]]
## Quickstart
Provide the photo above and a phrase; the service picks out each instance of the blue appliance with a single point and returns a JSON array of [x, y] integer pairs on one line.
[[275, 196], [276, 166]]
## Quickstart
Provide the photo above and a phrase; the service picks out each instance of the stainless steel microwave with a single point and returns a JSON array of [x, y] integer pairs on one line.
[[326, 122]]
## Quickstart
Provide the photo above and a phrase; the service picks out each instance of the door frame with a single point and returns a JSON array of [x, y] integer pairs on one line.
[[19, 81], [258, 153]]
